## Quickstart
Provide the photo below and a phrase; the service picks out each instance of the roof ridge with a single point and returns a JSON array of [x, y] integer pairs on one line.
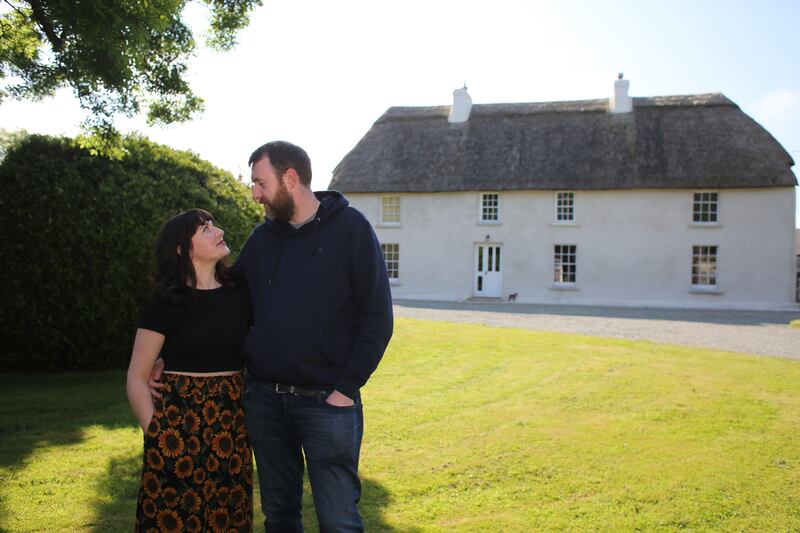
[[593, 105]]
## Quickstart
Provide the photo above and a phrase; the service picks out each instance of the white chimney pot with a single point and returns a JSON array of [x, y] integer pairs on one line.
[[462, 105], [621, 102]]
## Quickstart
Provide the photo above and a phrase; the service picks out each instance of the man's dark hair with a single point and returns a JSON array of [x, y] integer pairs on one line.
[[283, 156]]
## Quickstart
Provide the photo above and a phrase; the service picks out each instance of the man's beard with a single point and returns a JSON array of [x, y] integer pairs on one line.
[[282, 207]]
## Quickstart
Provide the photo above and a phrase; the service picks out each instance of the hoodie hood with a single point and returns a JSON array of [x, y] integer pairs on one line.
[[330, 204]]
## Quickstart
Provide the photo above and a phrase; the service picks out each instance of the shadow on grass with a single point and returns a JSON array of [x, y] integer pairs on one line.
[[374, 499], [711, 316], [117, 492], [52, 410]]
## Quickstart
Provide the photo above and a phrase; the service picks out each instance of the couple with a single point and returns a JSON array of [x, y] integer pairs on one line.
[[307, 311]]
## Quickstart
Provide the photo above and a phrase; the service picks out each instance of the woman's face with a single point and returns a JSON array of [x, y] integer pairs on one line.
[[208, 244]]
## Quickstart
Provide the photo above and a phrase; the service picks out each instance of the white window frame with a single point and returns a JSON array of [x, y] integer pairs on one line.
[[700, 251], [557, 254], [557, 207], [392, 263], [385, 198], [715, 202], [481, 200]]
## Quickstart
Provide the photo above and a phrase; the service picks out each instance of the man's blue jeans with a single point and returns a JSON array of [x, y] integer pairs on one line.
[[285, 427]]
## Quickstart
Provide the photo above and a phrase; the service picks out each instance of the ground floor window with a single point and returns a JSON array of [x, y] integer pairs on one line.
[[704, 266], [565, 264], [391, 254], [797, 287]]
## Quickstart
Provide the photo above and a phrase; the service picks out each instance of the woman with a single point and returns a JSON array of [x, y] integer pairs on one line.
[[197, 471]]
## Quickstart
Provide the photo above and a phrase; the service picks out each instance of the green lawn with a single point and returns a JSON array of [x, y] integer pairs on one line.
[[472, 428]]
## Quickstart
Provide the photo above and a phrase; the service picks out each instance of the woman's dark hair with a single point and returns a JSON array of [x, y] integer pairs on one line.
[[174, 276]]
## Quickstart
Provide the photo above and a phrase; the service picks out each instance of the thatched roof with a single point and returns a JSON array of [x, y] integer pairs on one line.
[[696, 141]]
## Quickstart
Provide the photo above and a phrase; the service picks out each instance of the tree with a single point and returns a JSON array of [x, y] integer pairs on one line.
[[78, 242], [119, 56], [8, 139]]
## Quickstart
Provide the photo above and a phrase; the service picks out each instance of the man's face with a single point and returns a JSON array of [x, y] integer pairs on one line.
[[268, 189]]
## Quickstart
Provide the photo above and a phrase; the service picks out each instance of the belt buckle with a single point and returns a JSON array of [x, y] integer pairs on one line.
[[278, 389]]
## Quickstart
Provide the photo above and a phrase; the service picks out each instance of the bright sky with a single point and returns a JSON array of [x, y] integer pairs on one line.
[[319, 73]]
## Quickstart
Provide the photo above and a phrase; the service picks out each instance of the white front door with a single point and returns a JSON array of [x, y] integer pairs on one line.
[[488, 271]]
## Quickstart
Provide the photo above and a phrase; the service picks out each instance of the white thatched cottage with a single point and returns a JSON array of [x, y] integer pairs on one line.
[[678, 201]]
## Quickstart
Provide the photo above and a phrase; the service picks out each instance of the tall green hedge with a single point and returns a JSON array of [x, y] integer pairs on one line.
[[77, 238]]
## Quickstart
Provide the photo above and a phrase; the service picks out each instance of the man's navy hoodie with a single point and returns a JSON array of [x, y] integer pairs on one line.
[[322, 308]]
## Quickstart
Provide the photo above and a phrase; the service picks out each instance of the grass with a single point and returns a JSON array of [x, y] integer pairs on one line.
[[472, 428], [794, 324]]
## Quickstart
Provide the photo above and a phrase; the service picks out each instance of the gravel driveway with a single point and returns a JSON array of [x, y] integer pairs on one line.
[[759, 332]]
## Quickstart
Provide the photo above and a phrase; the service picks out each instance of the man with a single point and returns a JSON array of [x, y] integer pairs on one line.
[[322, 317]]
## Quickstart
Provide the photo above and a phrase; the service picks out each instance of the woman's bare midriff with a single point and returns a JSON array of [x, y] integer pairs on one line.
[[205, 374]]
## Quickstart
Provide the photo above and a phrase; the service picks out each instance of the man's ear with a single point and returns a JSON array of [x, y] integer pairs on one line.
[[291, 179], [178, 249]]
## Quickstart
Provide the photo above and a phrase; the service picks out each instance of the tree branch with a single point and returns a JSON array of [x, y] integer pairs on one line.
[[41, 19], [15, 8]]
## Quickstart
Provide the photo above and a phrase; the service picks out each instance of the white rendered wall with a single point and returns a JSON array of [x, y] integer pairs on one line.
[[634, 247]]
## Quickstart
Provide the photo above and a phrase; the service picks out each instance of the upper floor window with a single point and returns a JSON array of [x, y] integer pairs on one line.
[[565, 207], [391, 254], [704, 266], [706, 206], [490, 207], [565, 263], [390, 210]]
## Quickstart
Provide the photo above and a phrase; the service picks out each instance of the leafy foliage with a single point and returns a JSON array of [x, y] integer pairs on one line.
[[79, 232], [8, 139], [119, 56]]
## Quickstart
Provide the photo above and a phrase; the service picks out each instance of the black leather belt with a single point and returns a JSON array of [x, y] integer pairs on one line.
[[285, 388]]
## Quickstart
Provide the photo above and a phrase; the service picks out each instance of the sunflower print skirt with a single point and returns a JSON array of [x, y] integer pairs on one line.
[[197, 473]]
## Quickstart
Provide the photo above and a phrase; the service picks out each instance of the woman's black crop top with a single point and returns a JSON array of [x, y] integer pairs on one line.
[[205, 336]]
